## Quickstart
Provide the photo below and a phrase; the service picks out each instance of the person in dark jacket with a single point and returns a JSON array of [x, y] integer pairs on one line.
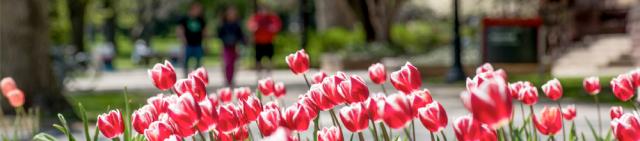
[[230, 33], [191, 32]]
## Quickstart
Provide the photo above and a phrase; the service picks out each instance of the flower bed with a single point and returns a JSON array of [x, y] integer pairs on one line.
[[187, 111]]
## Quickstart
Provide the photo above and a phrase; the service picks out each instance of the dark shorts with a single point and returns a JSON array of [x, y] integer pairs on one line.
[[264, 51]]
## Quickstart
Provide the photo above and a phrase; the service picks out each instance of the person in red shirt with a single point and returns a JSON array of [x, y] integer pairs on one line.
[[264, 25]]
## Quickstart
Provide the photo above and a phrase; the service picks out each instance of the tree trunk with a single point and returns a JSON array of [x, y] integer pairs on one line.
[[376, 17], [77, 9], [110, 24], [25, 54], [332, 13]]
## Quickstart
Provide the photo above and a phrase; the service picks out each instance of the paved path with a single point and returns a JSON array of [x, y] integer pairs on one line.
[[595, 58], [448, 95]]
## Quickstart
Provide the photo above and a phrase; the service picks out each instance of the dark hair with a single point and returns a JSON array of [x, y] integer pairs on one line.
[[225, 11], [194, 4]]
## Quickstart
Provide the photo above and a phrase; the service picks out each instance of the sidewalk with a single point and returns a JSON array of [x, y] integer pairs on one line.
[[139, 80]]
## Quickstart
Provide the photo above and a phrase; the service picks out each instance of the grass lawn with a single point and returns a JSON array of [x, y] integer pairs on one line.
[[100, 102]]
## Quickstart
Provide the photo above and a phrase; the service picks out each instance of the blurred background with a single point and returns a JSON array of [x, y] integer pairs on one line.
[[62, 52]]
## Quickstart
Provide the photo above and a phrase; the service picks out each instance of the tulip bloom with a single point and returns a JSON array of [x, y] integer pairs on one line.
[[627, 127], [296, 118], [514, 89], [192, 85], [163, 76], [330, 88], [616, 112], [266, 86], [419, 99], [15, 98], [269, 121], [279, 90], [159, 102], [208, 114], [178, 130], [550, 121], [228, 118], [270, 105], [377, 73], [569, 113], [242, 93], [242, 117], [298, 62], [200, 74], [251, 107], [486, 67], [488, 91], [397, 111], [354, 117], [373, 105], [7, 84], [354, 90], [142, 118], [468, 129], [111, 124], [528, 95], [185, 112], [225, 95], [433, 117], [330, 134], [158, 131], [407, 79], [281, 134], [241, 134], [318, 77], [635, 77], [591, 85], [306, 102], [318, 97], [553, 89], [622, 87]]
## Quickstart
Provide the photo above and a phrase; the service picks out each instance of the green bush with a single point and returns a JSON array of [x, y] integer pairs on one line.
[[420, 37]]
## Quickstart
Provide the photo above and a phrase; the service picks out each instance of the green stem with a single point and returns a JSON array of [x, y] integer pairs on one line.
[[511, 133], [432, 137], [535, 132], [316, 127], [383, 89], [384, 132], [211, 136], [116, 139], [595, 98], [524, 118], [299, 136], [333, 115], [375, 131], [360, 136], [127, 127], [204, 138], [504, 134], [564, 132], [413, 129], [443, 135], [406, 132], [306, 80]]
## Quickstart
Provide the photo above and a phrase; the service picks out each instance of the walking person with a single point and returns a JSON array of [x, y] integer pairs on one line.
[[192, 31], [264, 25], [230, 33]]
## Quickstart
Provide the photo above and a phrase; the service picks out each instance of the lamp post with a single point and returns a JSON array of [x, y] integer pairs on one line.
[[456, 73]]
